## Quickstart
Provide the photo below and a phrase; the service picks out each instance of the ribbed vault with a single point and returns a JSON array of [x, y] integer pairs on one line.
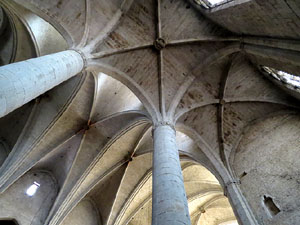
[[146, 61]]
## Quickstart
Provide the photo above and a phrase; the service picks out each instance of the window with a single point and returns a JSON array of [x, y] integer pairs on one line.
[[32, 189], [211, 3], [284, 77], [270, 206]]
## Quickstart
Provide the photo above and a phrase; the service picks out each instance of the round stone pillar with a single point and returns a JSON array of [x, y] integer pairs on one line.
[[169, 202], [23, 81]]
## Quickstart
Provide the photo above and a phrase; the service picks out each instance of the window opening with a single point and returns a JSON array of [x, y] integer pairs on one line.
[[243, 174], [32, 189], [271, 207], [284, 77], [208, 4]]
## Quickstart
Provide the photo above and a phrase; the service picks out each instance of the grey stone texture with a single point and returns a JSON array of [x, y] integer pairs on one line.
[[84, 83], [169, 202]]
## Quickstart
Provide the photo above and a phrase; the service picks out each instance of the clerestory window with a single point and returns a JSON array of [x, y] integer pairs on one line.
[[290, 80], [208, 4]]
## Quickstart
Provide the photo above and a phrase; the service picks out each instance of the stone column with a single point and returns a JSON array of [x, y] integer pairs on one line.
[[23, 81], [239, 205], [169, 202]]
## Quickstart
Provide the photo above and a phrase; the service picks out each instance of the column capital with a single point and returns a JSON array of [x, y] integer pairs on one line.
[[229, 183], [83, 56], [163, 123]]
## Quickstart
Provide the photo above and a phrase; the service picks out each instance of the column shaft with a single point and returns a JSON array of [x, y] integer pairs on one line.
[[23, 81], [169, 202], [240, 206]]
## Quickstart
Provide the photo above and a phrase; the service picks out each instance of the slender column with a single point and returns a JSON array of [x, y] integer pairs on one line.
[[169, 202], [239, 205], [23, 81]]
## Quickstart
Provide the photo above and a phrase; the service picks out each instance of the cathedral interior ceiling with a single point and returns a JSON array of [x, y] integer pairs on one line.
[[147, 61]]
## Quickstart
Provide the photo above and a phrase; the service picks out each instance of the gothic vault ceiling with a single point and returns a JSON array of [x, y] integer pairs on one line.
[[88, 141]]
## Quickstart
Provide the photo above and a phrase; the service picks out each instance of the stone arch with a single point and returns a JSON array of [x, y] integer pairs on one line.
[[128, 82]]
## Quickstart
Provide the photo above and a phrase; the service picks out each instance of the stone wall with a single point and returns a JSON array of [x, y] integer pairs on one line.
[[267, 162]]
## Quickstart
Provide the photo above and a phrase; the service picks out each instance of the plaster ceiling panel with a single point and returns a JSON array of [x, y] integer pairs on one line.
[[204, 121], [8, 36], [221, 203], [116, 152], [188, 147], [102, 18], [96, 159], [217, 215], [136, 28], [45, 37], [186, 144], [55, 118], [198, 173], [104, 193], [58, 102], [262, 18], [68, 16], [115, 124], [84, 213], [244, 82], [137, 172], [180, 21], [145, 144], [201, 198], [91, 144], [112, 97], [68, 119], [139, 201], [144, 216], [13, 124], [205, 89], [237, 116], [195, 218], [180, 62], [25, 48], [193, 188], [63, 156], [141, 67]]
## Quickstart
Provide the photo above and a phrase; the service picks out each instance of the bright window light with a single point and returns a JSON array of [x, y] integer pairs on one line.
[[214, 2], [211, 3], [33, 188], [284, 77]]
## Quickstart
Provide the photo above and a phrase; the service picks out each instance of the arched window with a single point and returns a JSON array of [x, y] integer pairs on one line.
[[208, 4], [291, 80]]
